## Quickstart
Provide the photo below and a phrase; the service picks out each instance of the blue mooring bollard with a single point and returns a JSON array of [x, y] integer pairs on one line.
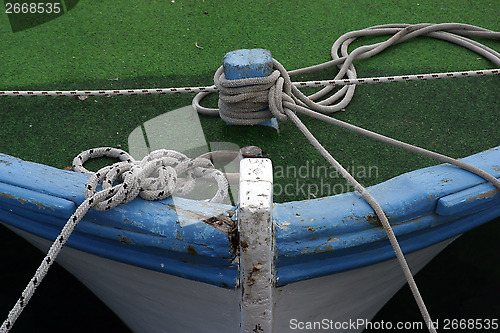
[[248, 63]]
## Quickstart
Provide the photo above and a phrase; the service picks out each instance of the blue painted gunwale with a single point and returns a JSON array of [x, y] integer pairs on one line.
[[338, 233], [312, 238]]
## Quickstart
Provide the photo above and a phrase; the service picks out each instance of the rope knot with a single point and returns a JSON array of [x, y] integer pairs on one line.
[[156, 177]]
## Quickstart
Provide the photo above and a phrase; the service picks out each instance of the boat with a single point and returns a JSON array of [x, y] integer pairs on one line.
[[251, 265]]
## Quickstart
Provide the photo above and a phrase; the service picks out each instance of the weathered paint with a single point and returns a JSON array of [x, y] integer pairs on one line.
[[12, 197], [475, 198], [256, 245]]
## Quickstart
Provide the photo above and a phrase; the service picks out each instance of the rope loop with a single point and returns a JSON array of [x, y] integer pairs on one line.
[[156, 177]]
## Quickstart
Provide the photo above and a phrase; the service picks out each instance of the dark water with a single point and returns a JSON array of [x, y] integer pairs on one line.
[[463, 282]]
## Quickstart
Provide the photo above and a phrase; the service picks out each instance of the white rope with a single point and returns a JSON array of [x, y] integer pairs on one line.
[[239, 99], [378, 211], [155, 177], [398, 78]]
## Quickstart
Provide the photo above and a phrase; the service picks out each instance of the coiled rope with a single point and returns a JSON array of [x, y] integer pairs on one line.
[[156, 177], [238, 102]]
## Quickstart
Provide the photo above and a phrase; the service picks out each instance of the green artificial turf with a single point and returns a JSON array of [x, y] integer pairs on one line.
[[153, 44]]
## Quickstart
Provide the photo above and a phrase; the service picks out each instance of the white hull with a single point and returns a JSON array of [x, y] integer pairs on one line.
[[149, 301]]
